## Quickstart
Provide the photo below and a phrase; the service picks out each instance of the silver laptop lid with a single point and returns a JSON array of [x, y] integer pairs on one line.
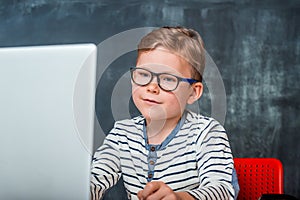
[[47, 96]]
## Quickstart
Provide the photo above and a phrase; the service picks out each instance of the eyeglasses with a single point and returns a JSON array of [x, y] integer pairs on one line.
[[167, 82]]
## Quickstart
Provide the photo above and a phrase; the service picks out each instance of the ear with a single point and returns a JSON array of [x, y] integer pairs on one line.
[[197, 90]]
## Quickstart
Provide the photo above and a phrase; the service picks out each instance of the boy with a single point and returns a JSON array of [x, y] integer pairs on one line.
[[168, 152]]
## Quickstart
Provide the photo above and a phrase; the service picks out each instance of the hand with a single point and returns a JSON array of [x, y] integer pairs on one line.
[[158, 190]]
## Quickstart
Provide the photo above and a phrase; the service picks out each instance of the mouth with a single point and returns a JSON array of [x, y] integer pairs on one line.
[[151, 101]]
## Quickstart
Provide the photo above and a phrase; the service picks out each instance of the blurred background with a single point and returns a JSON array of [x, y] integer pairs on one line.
[[254, 43]]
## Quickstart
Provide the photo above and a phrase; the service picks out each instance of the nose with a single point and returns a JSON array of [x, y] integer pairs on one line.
[[153, 86]]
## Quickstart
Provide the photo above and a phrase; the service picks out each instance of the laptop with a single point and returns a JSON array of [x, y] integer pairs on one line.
[[47, 98]]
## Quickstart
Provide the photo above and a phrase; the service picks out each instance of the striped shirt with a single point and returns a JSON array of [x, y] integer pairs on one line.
[[195, 157]]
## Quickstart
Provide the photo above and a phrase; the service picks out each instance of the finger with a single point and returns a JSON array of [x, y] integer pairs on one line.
[[139, 195], [163, 192], [157, 195], [150, 188]]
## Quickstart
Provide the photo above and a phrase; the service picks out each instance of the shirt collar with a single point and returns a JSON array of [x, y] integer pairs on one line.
[[168, 138]]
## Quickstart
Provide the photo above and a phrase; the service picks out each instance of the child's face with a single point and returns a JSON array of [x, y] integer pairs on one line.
[[155, 103]]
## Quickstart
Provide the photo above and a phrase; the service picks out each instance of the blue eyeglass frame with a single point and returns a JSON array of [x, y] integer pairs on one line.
[[188, 80]]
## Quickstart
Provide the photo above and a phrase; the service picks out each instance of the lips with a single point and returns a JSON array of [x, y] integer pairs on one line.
[[151, 101]]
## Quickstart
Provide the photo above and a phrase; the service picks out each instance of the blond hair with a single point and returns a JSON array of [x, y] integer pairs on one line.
[[184, 42]]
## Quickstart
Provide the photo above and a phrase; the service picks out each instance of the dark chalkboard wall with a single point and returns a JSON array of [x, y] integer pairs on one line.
[[255, 44]]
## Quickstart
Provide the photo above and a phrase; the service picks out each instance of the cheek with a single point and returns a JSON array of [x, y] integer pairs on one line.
[[136, 92], [134, 89], [180, 100], [175, 107]]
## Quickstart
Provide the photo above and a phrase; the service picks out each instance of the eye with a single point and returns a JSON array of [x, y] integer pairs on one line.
[[168, 78], [143, 74]]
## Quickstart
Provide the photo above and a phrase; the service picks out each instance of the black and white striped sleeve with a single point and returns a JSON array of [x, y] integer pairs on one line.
[[214, 163], [105, 168]]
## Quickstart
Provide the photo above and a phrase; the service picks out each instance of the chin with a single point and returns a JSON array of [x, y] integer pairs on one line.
[[154, 116], [160, 117]]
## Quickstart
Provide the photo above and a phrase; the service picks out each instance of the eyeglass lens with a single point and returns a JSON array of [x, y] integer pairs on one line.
[[165, 81]]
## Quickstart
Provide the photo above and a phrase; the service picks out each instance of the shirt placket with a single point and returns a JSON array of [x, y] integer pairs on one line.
[[152, 158]]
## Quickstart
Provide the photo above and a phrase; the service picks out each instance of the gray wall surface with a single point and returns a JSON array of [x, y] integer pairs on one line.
[[255, 44]]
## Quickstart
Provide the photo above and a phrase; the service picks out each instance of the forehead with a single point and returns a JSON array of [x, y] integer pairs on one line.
[[161, 60]]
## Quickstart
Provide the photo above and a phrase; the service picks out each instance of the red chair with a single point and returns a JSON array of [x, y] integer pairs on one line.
[[258, 176]]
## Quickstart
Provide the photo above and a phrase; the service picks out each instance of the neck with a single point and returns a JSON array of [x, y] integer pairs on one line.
[[158, 130]]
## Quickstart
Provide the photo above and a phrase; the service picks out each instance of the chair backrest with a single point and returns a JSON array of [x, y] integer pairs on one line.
[[258, 176]]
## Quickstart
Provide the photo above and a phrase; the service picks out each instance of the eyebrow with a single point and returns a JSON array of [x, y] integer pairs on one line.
[[164, 71]]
